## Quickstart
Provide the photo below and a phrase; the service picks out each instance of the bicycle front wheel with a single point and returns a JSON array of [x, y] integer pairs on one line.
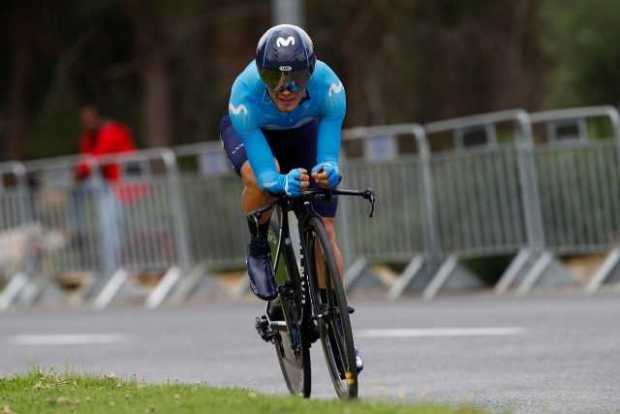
[[294, 359], [331, 310], [291, 345]]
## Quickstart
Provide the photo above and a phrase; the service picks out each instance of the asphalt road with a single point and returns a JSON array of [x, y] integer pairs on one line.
[[543, 354]]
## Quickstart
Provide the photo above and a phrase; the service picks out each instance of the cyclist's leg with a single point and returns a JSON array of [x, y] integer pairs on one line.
[[259, 263], [327, 210], [320, 261], [330, 227], [252, 197]]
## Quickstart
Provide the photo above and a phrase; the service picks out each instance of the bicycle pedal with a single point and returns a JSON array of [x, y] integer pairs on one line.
[[264, 328]]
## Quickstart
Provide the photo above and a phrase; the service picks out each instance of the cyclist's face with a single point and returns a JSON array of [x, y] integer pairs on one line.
[[287, 101]]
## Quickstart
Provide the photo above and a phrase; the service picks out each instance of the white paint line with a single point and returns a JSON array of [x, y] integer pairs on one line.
[[437, 332], [66, 339]]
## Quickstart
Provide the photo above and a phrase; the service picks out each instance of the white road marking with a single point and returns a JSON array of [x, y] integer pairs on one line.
[[437, 332], [66, 339]]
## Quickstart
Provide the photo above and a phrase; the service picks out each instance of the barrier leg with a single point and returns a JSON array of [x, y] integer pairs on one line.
[[451, 275], [406, 278], [111, 288], [13, 289], [516, 267], [188, 284], [354, 272], [164, 287], [534, 274], [604, 272], [440, 278]]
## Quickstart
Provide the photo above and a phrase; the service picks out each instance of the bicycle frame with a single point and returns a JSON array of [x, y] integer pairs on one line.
[[302, 207], [298, 294]]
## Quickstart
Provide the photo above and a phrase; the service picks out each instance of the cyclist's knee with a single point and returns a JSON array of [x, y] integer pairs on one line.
[[249, 178]]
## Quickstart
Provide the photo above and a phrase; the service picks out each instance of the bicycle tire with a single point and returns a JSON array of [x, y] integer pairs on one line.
[[294, 364], [334, 326]]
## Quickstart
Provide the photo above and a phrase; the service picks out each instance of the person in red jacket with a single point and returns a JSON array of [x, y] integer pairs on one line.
[[99, 138]]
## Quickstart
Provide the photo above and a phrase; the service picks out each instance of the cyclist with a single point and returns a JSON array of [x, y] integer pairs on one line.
[[283, 126]]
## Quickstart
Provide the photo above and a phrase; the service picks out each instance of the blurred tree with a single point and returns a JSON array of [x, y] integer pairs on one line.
[[487, 55], [22, 22], [166, 67], [76, 70], [370, 47], [151, 40], [420, 60], [212, 49], [582, 37]]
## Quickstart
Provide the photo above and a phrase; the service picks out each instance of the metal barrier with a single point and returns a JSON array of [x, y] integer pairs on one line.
[[114, 229], [403, 232], [18, 235], [572, 124], [218, 235], [581, 211], [13, 195], [484, 182], [470, 187], [406, 232], [577, 172], [488, 200]]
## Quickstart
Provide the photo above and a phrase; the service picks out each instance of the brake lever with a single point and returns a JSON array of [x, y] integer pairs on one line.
[[370, 196]]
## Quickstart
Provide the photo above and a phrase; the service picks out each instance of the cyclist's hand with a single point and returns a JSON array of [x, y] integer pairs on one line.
[[296, 181], [326, 174]]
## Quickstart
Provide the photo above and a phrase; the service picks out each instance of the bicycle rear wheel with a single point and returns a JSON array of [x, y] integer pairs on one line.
[[291, 344], [331, 309]]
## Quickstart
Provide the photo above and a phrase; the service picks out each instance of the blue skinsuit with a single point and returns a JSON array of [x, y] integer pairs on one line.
[[251, 109]]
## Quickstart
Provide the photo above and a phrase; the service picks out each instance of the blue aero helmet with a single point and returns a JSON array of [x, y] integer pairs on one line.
[[285, 58]]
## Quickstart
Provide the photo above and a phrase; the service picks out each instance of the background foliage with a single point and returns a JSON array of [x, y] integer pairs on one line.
[[166, 67]]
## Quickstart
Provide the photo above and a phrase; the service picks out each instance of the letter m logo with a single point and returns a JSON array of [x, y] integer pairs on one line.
[[285, 42], [241, 109], [335, 88]]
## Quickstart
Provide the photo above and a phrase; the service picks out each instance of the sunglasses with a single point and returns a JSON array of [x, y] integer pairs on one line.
[[278, 81]]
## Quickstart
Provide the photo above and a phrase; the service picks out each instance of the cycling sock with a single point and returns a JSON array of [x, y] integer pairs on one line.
[[262, 229]]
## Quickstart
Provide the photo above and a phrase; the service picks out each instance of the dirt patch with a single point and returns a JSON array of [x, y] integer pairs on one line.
[[584, 267]]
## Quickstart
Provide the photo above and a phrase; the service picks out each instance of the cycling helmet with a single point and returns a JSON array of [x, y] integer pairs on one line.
[[285, 58]]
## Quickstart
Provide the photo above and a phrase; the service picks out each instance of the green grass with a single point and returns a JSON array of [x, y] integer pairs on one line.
[[39, 392]]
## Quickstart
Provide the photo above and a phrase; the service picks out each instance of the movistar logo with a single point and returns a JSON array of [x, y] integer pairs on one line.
[[335, 88], [238, 109], [285, 42]]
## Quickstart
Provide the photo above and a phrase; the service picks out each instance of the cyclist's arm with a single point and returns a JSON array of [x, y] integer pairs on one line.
[[334, 107], [244, 117]]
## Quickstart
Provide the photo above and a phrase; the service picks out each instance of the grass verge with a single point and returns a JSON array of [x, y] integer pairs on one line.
[[39, 392]]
